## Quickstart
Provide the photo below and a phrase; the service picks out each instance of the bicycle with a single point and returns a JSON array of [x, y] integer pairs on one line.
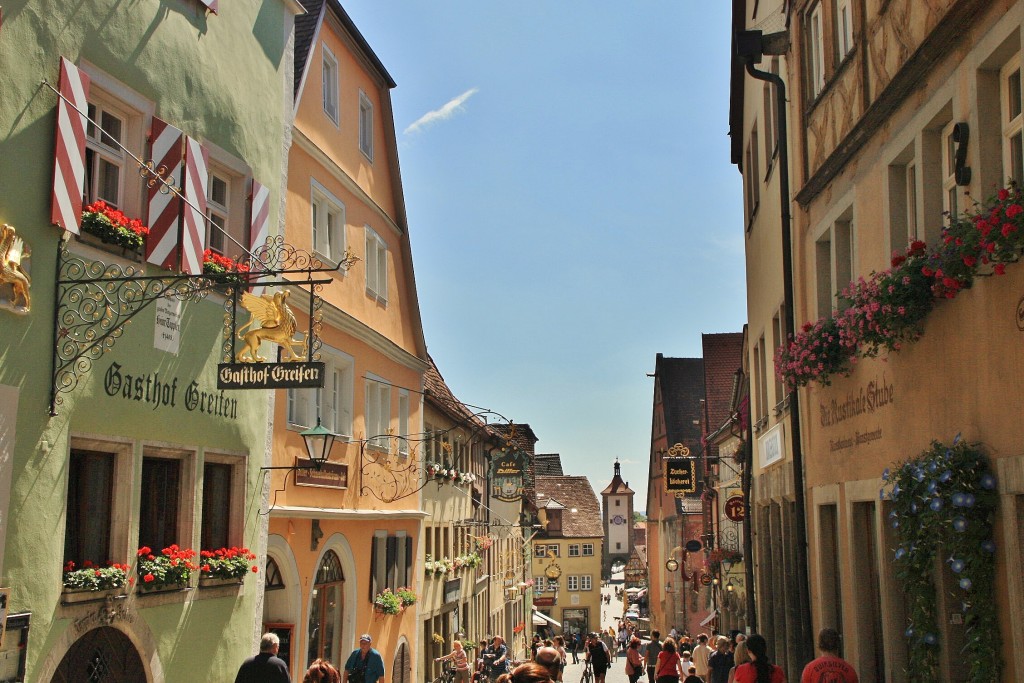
[[447, 673], [588, 673]]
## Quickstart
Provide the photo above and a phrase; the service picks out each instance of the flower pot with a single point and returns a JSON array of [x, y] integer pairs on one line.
[[76, 596], [214, 581], [151, 588]]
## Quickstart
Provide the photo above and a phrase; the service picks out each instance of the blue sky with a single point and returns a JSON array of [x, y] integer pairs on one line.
[[571, 204]]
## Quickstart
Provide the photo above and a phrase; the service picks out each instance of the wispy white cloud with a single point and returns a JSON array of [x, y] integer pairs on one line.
[[448, 110]]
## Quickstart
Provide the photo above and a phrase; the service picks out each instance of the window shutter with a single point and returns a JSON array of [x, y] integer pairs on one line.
[[408, 561], [392, 562], [259, 221], [69, 155], [379, 562], [194, 188], [368, 420], [382, 270], [164, 207], [385, 415], [371, 261]]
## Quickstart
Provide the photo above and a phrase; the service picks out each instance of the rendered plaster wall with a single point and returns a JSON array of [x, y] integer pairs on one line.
[[190, 65]]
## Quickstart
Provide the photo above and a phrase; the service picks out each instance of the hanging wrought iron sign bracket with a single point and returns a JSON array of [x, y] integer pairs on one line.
[[94, 301]]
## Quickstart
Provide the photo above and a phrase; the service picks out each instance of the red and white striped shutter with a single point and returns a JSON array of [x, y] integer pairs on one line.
[[164, 207], [212, 5], [259, 221], [194, 223], [69, 155]]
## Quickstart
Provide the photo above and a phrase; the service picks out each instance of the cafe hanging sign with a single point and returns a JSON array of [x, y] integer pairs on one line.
[[680, 471], [507, 474]]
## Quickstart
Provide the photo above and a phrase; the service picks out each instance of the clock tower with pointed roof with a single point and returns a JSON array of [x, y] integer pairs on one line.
[[617, 512]]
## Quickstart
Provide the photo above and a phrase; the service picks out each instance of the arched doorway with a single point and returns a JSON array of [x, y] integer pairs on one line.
[[402, 667], [326, 610], [102, 655]]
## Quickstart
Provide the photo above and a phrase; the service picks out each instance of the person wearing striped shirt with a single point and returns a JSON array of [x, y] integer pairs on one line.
[[460, 659]]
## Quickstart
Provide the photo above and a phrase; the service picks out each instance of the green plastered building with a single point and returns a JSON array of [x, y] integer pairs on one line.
[[131, 444]]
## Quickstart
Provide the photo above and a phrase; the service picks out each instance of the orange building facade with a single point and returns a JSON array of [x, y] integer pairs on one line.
[[342, 537]]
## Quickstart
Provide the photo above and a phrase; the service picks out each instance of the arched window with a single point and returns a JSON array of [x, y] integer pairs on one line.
[[326, 607], [273, 580]]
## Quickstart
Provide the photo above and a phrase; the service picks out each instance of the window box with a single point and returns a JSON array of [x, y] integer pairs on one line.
[[170, 570], [112, 228], [78, 596], [217, 581]]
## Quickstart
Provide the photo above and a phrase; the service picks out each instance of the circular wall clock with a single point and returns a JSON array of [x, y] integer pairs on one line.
[[618, 519], [553, 571]]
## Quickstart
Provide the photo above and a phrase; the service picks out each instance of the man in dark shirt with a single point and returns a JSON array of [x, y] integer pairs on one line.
[[265, 667], [498, 660], [720, 662], [651, 651]]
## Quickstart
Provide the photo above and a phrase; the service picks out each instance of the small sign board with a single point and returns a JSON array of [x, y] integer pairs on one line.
[[167, 331], [331, 475], [735, 509], [298, 375], [507, 473], [546, 601], [705, 579], [452, 589], [680, 475], [693, 546]]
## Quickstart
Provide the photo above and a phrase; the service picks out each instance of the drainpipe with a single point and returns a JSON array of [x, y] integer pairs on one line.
[[751, 46], [748, 536]]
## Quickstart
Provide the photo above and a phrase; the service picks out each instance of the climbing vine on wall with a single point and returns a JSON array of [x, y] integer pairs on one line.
[[943, 505]]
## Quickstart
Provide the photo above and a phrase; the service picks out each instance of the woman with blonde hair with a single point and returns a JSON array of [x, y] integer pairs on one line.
[[460, 658], [321, 671], [740, 656]]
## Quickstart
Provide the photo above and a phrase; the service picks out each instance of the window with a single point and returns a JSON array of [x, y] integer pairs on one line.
[[217, 211], [761, 380], [328, 224], [391, 560], [585, 583], [87, 524], [618, 503], [902, 201], [159, 503], [365, 125], [752, 177], [834, 256], [327, 602], [572, 583], [378, 413], [376, 266], [574, 550], [330, 84], [950, 205], [779, 339], [403, 421], [844, 28], [814, 37], [216, 506], [104, 160], [1013, 122], [333, 403], [618, 546], [554, 551], [540, 551], [588, 550]]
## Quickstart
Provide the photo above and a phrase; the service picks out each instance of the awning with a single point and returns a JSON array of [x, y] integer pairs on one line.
[[632, 590], [711, 615], [541, 619], [642, 593]]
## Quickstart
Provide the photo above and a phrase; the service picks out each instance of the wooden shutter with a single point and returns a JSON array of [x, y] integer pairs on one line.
[[408, 562], [259, 221], [378, 563], [164, 208], [392, 562], [69, 155], [194, 222]]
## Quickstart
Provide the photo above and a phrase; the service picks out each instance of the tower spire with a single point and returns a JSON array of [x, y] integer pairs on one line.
[[617, 467]]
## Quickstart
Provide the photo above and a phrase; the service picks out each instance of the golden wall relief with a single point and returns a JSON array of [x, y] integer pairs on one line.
[[13, 278]]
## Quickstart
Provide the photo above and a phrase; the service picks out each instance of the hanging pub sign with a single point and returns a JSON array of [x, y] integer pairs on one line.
[[298, 375], [680, 475], [735, 509], [271, 319], [507, 472]]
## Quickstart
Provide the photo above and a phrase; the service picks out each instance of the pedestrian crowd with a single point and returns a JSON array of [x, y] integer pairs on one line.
[[676, 659]]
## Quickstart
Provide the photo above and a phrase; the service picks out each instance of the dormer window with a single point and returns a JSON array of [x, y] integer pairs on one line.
[[554, 521]]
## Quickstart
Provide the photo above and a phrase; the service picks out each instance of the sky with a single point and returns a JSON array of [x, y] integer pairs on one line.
[[571, 203]]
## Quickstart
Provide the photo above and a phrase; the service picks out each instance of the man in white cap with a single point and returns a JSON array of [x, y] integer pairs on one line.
[[364, 665]]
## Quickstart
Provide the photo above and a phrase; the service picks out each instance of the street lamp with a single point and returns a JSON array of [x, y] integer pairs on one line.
[[729, 586], [318, 440]]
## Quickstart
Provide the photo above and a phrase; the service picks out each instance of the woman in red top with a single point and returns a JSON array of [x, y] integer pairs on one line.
[[760, 669], [668, 670]]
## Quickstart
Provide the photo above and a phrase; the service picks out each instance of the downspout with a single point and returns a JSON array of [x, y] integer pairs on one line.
[[804, 602], [748, 535]]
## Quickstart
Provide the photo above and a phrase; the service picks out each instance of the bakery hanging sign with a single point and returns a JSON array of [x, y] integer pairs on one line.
[[680, 471]]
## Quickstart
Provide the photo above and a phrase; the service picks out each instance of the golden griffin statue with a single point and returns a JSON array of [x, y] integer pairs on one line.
[[13, 251], [277, 324]]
